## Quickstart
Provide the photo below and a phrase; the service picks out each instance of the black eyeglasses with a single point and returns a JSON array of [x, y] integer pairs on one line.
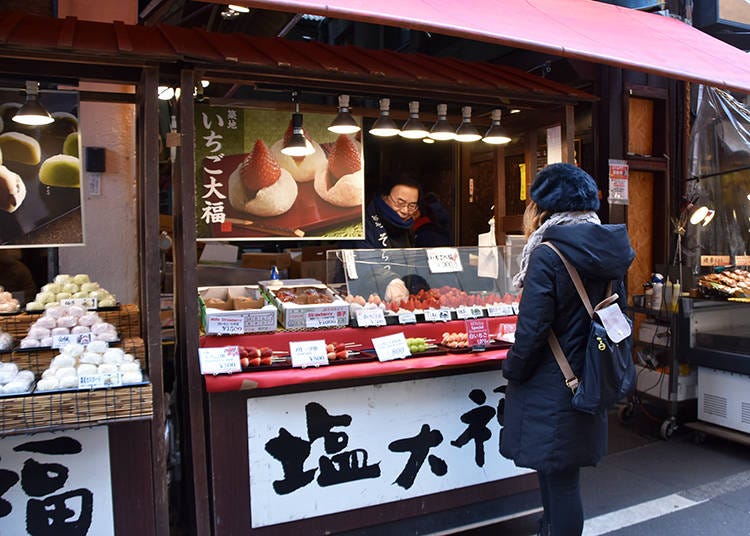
[[402, 203]]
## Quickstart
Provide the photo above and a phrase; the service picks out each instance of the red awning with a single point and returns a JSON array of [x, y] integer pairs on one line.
[[582, 29]]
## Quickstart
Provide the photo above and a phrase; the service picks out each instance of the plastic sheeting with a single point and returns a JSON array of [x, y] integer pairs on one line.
[[720, 180]]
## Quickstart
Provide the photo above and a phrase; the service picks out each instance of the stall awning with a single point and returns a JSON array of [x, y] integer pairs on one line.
[[582, 29]]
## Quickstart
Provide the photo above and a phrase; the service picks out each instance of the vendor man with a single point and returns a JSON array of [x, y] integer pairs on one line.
[[388, 217]]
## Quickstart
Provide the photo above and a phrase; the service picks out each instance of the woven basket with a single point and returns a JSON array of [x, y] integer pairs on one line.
[[68, 409]]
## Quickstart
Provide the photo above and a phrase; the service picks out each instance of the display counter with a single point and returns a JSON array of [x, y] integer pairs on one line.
[[347, 446]]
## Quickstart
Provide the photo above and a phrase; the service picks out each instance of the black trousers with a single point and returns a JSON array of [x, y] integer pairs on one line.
[[561, 498]]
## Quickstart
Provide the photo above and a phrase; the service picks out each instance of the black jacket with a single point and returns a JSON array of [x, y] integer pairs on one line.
[[384, 229], [541, 429]]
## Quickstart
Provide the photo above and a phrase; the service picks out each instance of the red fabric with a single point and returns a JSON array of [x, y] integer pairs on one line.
[[280, 341], [583, 29]]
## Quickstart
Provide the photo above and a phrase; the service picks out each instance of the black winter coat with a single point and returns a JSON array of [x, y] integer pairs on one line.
[[384, 229], [541, 430]]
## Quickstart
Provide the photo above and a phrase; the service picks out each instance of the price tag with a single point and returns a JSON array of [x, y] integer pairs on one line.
[[219, 360], [370, 317], [86, 303], [407, 317], [714, 260], [742, 260], [321, 319], [226, 325], [58, 341], [437, 315], [391, 347], [464, 312], [308, 353], [500, 309], [478, 332], [349, 265], [93, 381], [444, 260]]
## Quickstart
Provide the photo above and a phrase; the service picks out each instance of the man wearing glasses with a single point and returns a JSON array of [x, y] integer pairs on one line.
[[388, 218]]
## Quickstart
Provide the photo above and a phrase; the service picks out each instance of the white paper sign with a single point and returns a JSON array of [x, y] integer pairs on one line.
[[618, 182], [407, 317], [75, 496], [500, 309], [308, 353], [95, 381], [59, 341], [363, 417], [463, 312], [226, 325], [488, 264], [224, 360], [321, 319], [437, 315], [444, 260], [370, 317], [86, 303], [391, 347]]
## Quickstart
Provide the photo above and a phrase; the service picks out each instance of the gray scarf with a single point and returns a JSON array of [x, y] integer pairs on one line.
[[558, 218]]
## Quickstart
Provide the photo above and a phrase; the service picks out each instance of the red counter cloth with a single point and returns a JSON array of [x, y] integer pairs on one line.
[[280, 341]]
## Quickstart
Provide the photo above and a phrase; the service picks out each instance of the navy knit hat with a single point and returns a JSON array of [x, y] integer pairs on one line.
[[563, 188]]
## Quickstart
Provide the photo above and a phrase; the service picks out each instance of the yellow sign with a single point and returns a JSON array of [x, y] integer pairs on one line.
[[522, 169]]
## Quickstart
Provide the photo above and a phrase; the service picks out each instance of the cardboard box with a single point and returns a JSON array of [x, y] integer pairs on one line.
[[307, 316], [265, 261], [654, 383], [218, 321], [308, 263]]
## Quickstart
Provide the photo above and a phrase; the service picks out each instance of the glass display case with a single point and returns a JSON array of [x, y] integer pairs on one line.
[[447, 278], [715, 333]]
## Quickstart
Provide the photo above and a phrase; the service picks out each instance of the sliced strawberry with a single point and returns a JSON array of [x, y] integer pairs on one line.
[[344, 159], [260, 169]]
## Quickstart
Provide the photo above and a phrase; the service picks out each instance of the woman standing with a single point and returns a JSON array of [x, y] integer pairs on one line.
[[541, 429]]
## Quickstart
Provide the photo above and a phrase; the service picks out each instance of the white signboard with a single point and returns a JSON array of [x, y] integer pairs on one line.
[[308, 353], [391, 347], [226, 324], [444, 260], [222, 360], [349, 448], [56, 483]]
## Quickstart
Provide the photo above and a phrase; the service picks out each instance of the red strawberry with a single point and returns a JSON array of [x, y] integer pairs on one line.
[[344, 158], [260, 169]]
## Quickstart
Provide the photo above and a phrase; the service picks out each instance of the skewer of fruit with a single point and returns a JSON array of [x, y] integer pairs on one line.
[[250, 356], [338, 351], [455, 339]]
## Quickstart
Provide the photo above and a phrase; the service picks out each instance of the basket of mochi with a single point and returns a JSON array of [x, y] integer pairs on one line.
[[67, 320], [6, 341], [8, 304], [14, 381], [94, 365], [67, 287]]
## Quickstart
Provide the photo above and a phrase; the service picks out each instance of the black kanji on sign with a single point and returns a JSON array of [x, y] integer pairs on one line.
[[477, 430], [419, 446], [291, 451], [8, 479], [320, 424], [53, 517]]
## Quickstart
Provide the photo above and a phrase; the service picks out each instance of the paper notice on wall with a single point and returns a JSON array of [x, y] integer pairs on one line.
[[618, 182], [554, 145]]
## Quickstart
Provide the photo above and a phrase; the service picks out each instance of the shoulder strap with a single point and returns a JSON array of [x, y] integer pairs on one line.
[[575, 277]]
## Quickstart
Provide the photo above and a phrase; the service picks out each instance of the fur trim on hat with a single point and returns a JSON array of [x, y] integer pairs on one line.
[[564, 188]]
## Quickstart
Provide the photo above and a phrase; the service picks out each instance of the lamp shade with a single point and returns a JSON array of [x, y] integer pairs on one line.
[[32, 113], [413, 129], [442, 129], [466, 131], [297, 144], [344, 123], [496, 134], [384, 126]]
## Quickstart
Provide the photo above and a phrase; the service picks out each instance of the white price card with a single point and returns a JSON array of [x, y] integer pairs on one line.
[[444, 260], [308, 353], [58, 341], [463, 312], [372, 316], [500, 309], [391, 347], [407, 317], [94, 381], [86, 303], [224, 360], [349, 265], [321, 319], [226, 325], [437, 315]]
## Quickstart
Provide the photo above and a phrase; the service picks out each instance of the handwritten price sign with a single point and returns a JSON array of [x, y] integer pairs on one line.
[[444, 260]]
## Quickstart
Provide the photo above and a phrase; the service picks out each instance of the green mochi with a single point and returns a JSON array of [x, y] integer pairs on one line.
[[70, 145], [61, 170]]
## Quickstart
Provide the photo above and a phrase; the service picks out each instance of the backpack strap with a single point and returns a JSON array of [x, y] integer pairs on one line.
[[570, 378]]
